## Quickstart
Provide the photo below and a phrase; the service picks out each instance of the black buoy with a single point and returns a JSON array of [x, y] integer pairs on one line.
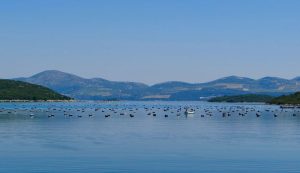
[[224, 114]]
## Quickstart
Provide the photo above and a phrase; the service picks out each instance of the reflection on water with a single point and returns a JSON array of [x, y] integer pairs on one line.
[[102, 137]]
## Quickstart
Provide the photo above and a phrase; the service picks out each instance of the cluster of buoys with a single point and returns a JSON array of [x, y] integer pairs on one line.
[[153, 110]]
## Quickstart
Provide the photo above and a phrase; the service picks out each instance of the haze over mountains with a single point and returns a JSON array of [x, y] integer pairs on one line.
[[102, 89]]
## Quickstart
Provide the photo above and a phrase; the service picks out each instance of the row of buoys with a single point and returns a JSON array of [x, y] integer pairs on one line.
[[152, 110], [224, 114]]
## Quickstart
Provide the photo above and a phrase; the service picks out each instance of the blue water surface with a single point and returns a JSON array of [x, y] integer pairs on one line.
[[32, 140]]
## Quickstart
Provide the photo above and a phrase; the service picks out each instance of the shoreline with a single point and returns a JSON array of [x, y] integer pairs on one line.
[[32, 101]]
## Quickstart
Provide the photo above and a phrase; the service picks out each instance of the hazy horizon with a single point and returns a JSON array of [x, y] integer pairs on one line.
[[151, 41], [86, 77]]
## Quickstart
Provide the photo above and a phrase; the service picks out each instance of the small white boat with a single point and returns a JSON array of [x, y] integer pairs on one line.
[[31, 115], [189, 111]]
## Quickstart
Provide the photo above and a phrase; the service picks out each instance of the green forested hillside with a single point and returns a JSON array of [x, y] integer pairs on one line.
[[17, 90], [242, 98], [287, 99]]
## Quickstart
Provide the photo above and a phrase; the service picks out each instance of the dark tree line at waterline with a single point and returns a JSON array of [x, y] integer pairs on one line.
[[293, 99], [287, 99], [243, 98]]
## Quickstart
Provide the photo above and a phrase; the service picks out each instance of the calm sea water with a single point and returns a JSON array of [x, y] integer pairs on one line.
[[144, 143]]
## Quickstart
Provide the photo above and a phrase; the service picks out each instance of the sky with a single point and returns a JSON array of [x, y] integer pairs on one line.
[[151, 41]]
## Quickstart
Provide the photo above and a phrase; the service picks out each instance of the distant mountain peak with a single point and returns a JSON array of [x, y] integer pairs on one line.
[[172, 83], [272, 78], [53, 73], [237, 78], [233, 79], [296, 78]]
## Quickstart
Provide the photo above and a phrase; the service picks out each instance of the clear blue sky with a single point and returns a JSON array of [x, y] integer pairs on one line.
[[151, 40]]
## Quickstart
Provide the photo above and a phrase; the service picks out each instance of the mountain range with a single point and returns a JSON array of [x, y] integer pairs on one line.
[[102, 89]]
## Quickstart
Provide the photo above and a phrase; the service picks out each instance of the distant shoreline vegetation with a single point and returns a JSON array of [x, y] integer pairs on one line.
[[17, 91], [292, 99], [29, 101], [243, 98]]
